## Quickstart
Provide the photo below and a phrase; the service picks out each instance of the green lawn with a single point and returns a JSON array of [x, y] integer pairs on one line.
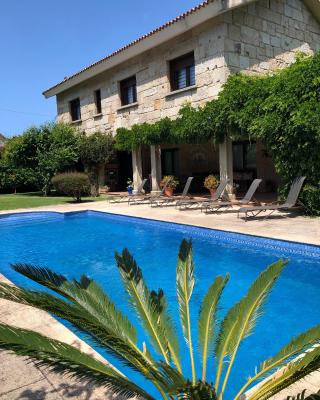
[[35, 199]]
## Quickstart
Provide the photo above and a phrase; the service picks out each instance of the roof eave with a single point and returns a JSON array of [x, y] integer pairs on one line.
[[211, 10], [314, 7]]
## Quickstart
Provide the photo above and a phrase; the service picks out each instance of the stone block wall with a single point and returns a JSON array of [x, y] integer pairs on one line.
[[155, 100], [266, 35]]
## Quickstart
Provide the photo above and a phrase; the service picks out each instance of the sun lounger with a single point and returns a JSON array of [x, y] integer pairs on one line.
[[218, 205], [147, 198], [195, 204], [288, 205], [174, 200], [125, 198]]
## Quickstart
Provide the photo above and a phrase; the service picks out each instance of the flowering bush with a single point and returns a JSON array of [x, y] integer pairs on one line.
[[211, 182]]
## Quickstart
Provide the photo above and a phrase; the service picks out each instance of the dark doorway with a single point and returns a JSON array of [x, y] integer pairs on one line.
[[170, 162], [244, 163], [125, 168]]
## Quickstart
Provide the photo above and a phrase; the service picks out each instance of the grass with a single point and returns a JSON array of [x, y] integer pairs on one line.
[[35, 199]]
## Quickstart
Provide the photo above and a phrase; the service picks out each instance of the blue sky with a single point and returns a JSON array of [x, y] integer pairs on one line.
[[43, 41]]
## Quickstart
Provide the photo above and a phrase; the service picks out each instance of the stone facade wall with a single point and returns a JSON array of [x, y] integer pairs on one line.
[[265, 35], [153, 87], [260, 37]]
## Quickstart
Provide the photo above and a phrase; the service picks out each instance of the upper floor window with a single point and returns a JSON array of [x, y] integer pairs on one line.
[[128, 91], [182, 72], [75, 110], [97, 101]]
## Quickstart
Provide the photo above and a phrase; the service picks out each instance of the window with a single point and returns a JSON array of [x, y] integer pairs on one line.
[[244, 156], [75, 110], [128, 91], [97, 101], [182, 72]]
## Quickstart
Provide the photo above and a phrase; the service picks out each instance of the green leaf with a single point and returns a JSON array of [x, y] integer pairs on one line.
[[165, 320], [207, 319], [185, 285], [65, 359], [87, 294], [293, 372], [241, 319], [296, 346], [142, 302]]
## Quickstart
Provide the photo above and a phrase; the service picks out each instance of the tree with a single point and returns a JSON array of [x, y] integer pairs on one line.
[[57, 151], [42, 151], [95, 151], [84, 304]]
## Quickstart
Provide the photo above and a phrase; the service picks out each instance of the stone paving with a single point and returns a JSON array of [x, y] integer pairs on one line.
[[21, 379]]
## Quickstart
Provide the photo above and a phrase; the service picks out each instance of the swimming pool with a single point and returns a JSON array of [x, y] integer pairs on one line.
[[85, 242]]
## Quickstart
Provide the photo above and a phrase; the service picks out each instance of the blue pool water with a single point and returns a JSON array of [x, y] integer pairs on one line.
[[85, 243]]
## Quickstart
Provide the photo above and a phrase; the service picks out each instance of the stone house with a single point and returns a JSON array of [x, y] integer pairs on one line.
[[188, 59]]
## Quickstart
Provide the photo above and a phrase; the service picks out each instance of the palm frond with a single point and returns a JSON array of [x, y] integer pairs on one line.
[[207, 319], [65, 359], [94, 329], [172, 377], [41, 275], [185, 285], [142, 302], [296, 346], [86, 293], [168, 325], [293, 372], [240, 321]]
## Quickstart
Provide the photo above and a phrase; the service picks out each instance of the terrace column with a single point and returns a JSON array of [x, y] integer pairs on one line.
[[136, 167], [226, 165], [155, 152]]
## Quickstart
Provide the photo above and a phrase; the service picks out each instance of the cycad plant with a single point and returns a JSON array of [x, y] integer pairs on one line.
[[84, 304]]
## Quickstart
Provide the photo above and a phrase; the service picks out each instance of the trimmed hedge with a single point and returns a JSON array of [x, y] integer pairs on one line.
[[74, 184]]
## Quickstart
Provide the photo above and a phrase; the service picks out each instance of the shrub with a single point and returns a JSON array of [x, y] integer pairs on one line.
[[211, 182], [75, 184], [310, 197]]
